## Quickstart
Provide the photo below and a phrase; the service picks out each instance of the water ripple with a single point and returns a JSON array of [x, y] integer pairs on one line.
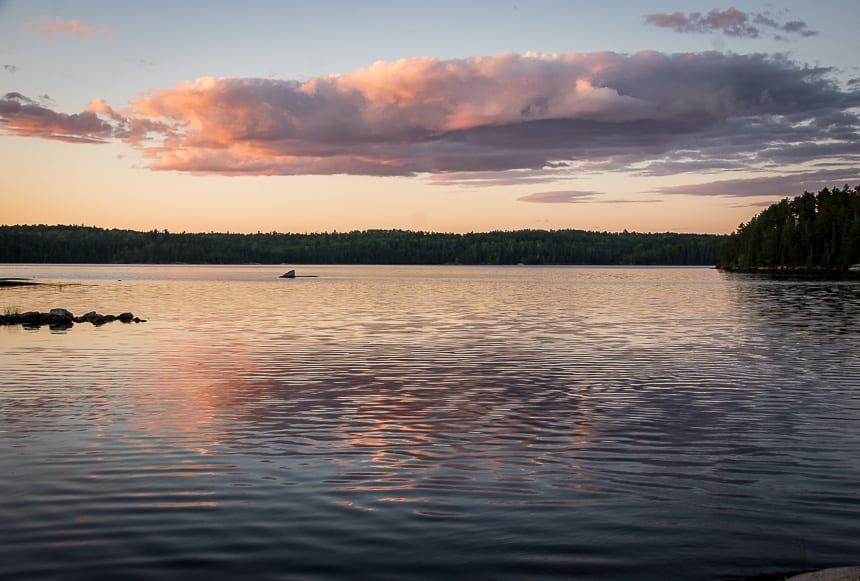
[[420, 422]]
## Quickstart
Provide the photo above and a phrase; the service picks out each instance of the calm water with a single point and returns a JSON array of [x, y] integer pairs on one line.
[[394, 423]]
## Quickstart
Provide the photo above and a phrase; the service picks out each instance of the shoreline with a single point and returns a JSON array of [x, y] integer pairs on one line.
[[816, 273], [18, 282]]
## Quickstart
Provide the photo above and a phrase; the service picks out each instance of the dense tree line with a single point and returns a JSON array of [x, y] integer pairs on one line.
[[80, 244], [810, 232]]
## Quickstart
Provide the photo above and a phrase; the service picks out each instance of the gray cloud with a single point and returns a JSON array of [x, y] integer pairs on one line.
[[10, 68], [731, 22], [577, 197], [561, 197], [498, 178], [769, 186]]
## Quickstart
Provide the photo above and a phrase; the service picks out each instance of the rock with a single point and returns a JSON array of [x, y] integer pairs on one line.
[[63, 319], [32, 319], [289, 274], [61, 313], [60, 319], [92, 317]]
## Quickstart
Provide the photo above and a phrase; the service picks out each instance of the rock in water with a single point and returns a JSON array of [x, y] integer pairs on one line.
[[61, 313], [60, 318], [289, 274], [63, 319]]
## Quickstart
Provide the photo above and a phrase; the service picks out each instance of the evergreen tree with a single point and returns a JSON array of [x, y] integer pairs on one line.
[[79, 244], [809, 232]]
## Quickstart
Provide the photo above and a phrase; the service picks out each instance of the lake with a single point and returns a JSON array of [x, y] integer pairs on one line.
[[425, 422]]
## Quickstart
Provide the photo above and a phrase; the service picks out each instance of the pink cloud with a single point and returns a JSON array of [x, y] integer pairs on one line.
[[532, 113], [48, 28], [27, 118], [406, 101]]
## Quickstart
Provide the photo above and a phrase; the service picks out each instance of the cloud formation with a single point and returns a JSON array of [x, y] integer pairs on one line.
[[769, 186], [560, 197], [600, 111], [49, 29], [576, 197], [731, 22], [10, 68], [24, 116]]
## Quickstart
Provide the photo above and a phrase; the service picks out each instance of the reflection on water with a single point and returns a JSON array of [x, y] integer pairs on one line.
[[418, 422]]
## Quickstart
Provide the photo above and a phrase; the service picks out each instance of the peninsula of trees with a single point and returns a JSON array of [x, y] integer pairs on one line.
[[812, 232], [89, 245]]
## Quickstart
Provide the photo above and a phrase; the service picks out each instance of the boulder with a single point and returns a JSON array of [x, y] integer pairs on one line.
[[60, 319], [91, 317], [31, 319], [61, 313], [289, 274]]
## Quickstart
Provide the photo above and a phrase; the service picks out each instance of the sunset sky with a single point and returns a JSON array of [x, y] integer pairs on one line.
[[444, 116]]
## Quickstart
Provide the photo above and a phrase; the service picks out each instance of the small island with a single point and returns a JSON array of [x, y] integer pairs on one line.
[[17, 282], [809, 234]]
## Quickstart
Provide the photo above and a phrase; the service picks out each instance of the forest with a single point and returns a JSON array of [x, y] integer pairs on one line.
[[811, 232], [91, 245]]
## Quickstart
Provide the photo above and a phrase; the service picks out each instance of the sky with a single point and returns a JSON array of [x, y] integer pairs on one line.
[[323, 116]]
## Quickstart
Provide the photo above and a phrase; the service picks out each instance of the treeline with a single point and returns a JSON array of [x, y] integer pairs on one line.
[[80, 244], [810, 232]]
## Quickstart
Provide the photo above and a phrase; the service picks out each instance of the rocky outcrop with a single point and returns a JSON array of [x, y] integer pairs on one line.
[[63, 319], [292, 274]]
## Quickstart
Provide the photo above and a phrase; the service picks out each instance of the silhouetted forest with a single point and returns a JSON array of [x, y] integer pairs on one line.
[[810, 232], [80, 244]]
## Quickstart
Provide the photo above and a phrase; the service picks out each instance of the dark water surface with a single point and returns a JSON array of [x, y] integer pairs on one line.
[[402, 423]]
